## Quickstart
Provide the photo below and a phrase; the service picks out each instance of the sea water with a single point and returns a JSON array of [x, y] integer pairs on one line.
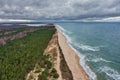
[[98, 45]]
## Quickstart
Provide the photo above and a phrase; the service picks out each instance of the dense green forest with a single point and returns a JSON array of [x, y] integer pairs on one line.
[[19, 56]]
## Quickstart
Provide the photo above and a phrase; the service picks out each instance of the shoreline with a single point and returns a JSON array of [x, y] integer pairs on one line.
[[71, 58]]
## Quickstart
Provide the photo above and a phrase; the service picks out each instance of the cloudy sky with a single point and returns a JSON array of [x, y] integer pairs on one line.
[[60, 9]]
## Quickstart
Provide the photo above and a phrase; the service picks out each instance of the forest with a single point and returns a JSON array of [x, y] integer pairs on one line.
[[19, 56]]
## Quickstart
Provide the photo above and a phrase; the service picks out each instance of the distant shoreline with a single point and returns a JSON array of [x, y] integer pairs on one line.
[[71, 58]]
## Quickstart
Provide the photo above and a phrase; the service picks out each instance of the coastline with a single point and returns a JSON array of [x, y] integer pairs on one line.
[[71, 58]]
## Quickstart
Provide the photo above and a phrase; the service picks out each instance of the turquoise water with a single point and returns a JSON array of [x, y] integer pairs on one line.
[[98, 45]]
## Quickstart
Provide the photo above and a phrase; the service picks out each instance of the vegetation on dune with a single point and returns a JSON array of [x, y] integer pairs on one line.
[[54, 73], [20, 56], [66, 73]]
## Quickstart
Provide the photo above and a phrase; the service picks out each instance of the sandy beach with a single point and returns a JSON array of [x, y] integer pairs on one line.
[[71, 58]]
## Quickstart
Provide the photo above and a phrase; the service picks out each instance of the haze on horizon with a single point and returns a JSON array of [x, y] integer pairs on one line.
[[83, 10]]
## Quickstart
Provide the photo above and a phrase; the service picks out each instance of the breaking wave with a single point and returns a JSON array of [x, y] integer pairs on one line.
[[110, 72], [64, 30], [87, 47], [98, 60]]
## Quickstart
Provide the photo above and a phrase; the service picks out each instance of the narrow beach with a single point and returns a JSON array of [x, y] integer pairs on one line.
[[71, 58]]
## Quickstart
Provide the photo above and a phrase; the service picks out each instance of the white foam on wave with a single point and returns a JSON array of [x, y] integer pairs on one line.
[[64, 33], [81, 46], [64, 30], [82, 61], [98, 60], [87, 47], [110, 72], [87, 69]]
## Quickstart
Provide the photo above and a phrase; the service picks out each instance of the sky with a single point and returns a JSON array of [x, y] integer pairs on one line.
[[85, 10]]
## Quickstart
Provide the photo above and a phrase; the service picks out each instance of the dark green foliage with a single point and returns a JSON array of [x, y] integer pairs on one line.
[[49, 64], [54, 73], [18, 57], [53, 70], [44, 75]]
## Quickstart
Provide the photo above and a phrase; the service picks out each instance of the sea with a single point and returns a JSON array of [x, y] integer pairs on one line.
[[98, 46]]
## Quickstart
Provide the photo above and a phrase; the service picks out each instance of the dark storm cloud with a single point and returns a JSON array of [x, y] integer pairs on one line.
[[59, 9]]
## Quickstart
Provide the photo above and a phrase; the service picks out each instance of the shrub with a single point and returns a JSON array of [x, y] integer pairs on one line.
[[49, 64], [54, 73], [44, 75]]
